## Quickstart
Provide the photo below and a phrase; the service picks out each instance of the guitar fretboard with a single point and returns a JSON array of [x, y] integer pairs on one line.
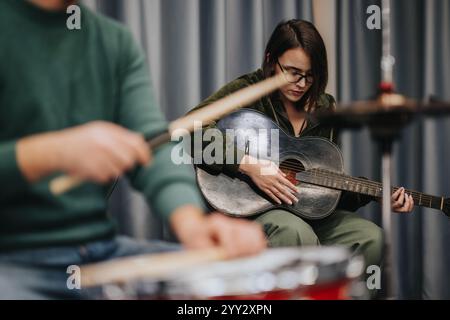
[[343, 182]]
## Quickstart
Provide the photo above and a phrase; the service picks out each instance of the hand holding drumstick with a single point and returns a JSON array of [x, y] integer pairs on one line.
[[98, 151]]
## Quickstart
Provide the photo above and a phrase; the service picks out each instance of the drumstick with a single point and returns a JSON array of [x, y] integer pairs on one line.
[[205, 115], [149, 266]]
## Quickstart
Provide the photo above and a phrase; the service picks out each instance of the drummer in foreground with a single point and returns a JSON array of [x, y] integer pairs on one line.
[[79, 102]]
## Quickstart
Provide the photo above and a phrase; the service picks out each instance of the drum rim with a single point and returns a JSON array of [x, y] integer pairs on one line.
[[312, 269]]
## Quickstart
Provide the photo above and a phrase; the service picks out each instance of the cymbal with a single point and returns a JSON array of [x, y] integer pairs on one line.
[[387, 109]]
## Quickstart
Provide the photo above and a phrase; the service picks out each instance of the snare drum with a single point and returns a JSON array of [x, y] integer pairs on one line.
[[279, 273]]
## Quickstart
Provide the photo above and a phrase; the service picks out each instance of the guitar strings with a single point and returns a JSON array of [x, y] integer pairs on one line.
[[340, 178], [363, 182], [327, 173], [291, 165], [424, 198]]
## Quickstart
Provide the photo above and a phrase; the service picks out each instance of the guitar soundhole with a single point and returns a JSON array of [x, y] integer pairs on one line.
[[291, 167]]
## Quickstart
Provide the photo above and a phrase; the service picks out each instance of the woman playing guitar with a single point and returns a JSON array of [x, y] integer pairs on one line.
[[296, 49]]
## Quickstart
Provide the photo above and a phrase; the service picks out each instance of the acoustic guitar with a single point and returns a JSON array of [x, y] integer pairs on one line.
[[313, 164]]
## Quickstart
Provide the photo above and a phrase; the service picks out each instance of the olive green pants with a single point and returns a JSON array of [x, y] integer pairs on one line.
[[340, 228]]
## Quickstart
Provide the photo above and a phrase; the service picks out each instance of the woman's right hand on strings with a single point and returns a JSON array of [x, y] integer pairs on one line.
[[270, 179]]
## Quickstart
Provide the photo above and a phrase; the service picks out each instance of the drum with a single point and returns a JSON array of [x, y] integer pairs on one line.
[[276, 274]]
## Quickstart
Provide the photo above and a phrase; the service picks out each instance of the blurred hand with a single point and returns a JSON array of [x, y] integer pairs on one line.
[[98, 151], [270, 179], [238, 237], [401, 201]]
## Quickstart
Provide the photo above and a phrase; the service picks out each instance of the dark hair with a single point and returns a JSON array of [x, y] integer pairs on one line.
[[299, 34]]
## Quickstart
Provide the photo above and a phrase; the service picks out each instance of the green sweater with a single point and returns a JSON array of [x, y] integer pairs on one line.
[[52, 78]]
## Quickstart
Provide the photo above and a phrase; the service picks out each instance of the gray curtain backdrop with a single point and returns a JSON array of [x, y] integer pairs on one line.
[[195, 46]]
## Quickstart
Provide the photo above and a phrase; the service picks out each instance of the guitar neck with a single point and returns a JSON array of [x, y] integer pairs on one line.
[[343, 182]]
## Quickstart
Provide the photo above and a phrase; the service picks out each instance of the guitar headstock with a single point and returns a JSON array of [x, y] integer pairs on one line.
[[446, 207]]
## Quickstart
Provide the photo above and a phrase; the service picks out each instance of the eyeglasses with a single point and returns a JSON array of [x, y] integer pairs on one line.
[[294, 76]]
